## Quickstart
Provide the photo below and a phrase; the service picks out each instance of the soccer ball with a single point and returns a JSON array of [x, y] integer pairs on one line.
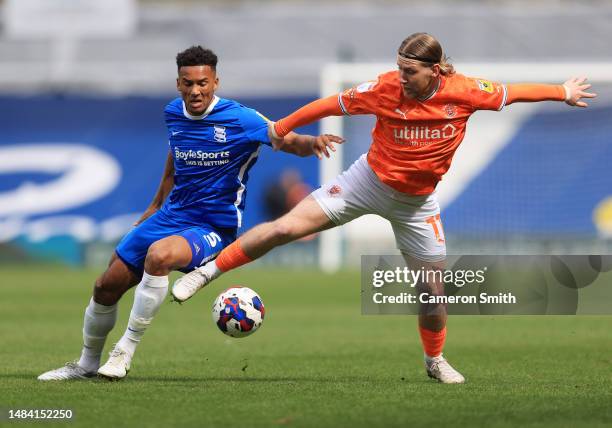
[[238, 311]]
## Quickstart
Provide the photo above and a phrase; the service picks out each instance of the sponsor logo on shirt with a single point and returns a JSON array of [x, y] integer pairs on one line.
[[423, 135], [201, 158], [220, 135]]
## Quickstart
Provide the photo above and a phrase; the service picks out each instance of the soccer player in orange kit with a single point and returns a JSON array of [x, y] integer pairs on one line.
[[421, 114]]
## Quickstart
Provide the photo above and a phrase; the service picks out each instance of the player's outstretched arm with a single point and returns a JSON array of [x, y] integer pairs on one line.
[[165, 186], [309, 113], [572, 92], [283, 138], [307, 145]]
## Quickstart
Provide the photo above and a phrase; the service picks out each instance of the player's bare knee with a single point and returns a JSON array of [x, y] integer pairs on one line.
[[159, 256], [105, 293]]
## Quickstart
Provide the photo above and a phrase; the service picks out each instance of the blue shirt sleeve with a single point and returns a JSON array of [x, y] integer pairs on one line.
[[255, 126]]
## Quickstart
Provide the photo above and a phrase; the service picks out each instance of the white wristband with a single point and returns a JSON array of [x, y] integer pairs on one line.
[[273, 131], [568, 93]]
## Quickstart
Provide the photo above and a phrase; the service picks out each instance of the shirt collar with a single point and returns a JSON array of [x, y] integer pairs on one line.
[[211, 106], [434, 92]]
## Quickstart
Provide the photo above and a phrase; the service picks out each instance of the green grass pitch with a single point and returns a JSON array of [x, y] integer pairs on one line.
[[316, 362]]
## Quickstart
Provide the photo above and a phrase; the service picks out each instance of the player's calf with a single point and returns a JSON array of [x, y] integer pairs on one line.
[[280, 232], [148, 297]]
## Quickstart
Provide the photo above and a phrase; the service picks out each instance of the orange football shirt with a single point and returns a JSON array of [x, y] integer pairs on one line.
[[413, 141]]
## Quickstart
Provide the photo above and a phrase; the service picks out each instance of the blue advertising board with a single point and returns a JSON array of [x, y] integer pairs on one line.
[[86, 167]]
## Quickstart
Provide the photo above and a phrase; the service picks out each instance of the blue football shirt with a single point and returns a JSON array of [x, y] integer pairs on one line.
[[213, 154]]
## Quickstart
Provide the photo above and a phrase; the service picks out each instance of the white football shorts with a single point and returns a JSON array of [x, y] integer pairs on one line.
[[415, 218]]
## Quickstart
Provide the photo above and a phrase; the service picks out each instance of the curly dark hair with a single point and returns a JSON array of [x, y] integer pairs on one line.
[[196, 55]]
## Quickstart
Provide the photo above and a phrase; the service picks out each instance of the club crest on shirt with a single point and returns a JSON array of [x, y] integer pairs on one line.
[[485, 85], [450, 110], [220, 135]]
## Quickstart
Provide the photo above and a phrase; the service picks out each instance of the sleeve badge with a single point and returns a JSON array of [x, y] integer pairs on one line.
[[485, 85], [364, 87]]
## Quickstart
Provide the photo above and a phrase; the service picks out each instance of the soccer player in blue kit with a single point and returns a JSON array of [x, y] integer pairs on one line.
[[195, 213]]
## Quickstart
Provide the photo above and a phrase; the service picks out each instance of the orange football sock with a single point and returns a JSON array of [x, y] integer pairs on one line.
[[232, 257], [433, 341]]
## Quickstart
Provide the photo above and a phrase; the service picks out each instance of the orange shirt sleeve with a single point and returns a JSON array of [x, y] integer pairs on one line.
[[487, 95], [311, 112], [533, 92], [360, 99]]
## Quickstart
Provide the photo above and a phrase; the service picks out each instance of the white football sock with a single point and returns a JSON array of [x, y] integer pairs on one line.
[[99, 320], [149, 296]]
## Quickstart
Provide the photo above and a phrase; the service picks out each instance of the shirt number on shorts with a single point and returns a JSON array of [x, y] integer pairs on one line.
[[436, 224], [213, 239]]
